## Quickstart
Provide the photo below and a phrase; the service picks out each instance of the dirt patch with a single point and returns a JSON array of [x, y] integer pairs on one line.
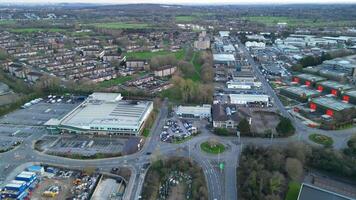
[[9, 98], [177, 193], [64, 192], [263, 121]]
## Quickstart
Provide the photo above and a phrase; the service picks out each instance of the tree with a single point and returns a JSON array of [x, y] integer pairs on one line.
[[119, 51], [207, 73], [285, 127], [244, 127], [3, 55], [294, 168]]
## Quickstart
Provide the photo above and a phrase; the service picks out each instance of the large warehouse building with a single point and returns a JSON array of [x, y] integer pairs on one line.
[[201, 112], [308, 79], [332, 87], [301, 94], [332, 107], [103, 113], [249, 98]]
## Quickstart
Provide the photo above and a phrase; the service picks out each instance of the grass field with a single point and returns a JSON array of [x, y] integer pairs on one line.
[[119, 80], [321, 139], [33, 30], [196, 76], [185, 18], [293, 191], [7, 22], [121, 25], [212, 148], [294, 22], [148, 54]]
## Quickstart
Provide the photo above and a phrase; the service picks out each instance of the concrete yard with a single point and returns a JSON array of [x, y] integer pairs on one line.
[[37, 114]]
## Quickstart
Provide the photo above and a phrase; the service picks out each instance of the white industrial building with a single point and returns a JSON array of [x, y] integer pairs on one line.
[[201, 112], [103, 113], [232, 84], [249, 98]]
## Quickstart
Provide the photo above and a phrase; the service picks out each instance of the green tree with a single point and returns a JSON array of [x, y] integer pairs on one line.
[[285, 127], [244, 127]]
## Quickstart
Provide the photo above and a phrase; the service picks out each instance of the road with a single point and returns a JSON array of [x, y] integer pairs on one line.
[[25, 155]]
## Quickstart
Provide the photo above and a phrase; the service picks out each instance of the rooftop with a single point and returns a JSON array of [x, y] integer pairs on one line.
[[311, 77], [224, 57], [301, 91], [107, 109], [332, 103], [308, 192], [335, 85], [351, 93]]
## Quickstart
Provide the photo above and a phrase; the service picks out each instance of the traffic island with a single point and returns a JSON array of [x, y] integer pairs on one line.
[[321, 139], [212, 147]]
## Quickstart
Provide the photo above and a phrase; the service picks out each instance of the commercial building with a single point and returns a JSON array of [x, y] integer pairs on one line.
[[227, 115], [224, 59], [14, 190], [332, 87], [301, 94], [308, 192], [232, 84], [201, 112], [249, 98], [103, 113], [307, 79], [332, 107]]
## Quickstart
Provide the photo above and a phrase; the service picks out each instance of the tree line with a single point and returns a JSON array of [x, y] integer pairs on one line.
[[265, 172]]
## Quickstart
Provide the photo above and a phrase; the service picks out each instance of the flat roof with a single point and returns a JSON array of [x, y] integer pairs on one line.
[[351, 93], [224, 57], [335, 85], [311, 77], [206, 108], [99, 111], [308, 192], [332, 103], [25, 174], [15, 184], [301, 90]]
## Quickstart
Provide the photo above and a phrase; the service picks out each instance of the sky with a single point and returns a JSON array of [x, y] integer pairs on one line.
[[181, 1]]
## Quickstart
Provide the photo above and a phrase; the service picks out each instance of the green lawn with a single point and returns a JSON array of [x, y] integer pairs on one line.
[[215, 148], [293, 191], [121, 25], [33, 30], [185, 18], [119, 80], [294, 22], [7, 22], [182, 140], [321, 139], [148, 54], [197, 67]]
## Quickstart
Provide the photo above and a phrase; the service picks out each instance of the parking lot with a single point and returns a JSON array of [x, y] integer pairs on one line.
[[177, 129], [89, 145], [38, 114], [11, 135]]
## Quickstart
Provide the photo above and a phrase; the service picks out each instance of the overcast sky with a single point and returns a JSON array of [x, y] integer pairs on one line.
[[180, 1]]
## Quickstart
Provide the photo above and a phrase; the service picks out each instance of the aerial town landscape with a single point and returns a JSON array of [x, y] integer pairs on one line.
[[170, 101]]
